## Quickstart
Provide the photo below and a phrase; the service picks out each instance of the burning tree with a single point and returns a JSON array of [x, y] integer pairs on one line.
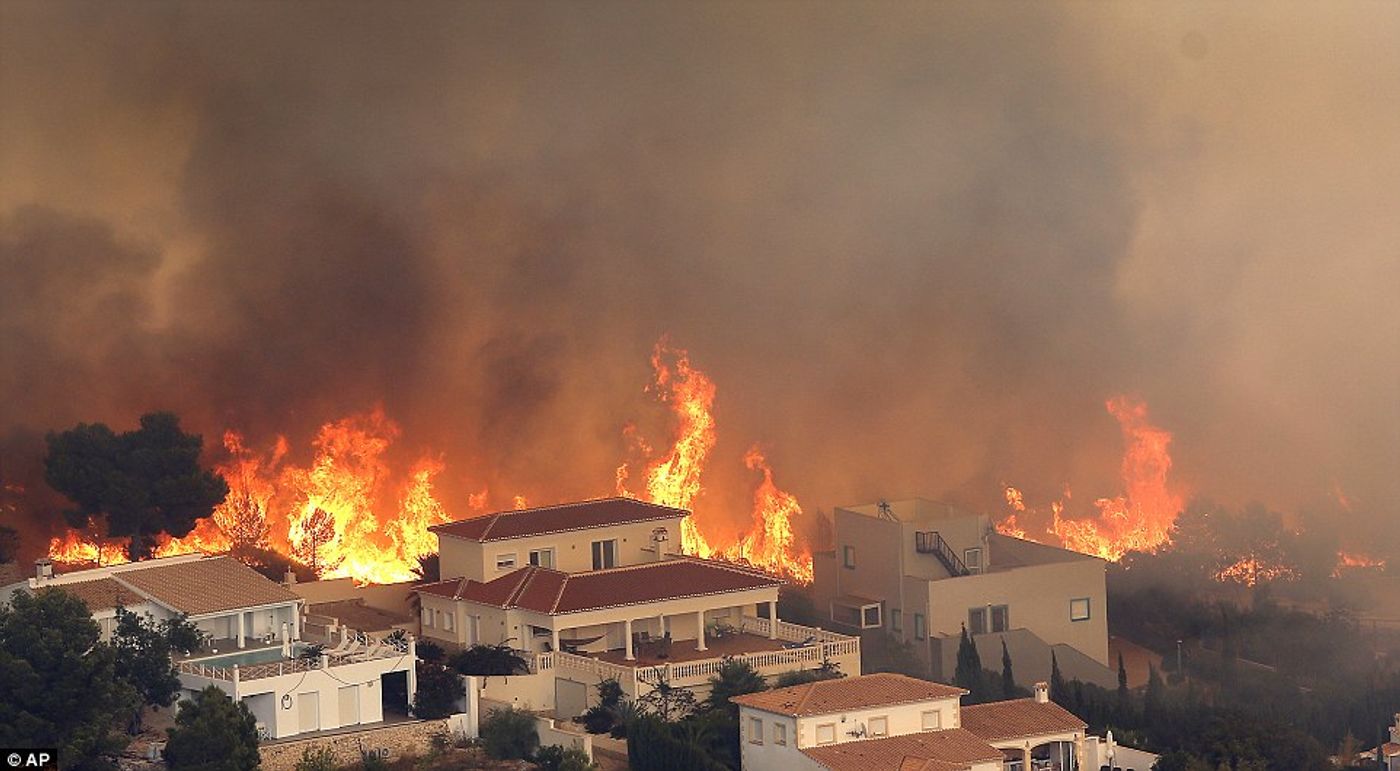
[[142, 483], [317, 532]]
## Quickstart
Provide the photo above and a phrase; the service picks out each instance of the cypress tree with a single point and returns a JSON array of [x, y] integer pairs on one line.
[[969, 671], [1123, 702], [1152, 701], [1059, 692], [1008, 679]]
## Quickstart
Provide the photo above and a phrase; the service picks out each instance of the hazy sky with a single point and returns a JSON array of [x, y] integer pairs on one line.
[[916, 245]]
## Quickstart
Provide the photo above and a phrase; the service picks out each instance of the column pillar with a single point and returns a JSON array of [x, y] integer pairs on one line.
[[296, 622], [772, 619], [627, 636], [413, 668], [661, 625], [241, 630], [554, 638], [1078, 752], [1026, 758], [700, 631]]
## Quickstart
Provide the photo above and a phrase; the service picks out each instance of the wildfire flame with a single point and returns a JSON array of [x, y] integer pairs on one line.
[[1141, 518], [344, 515], [674, 479]]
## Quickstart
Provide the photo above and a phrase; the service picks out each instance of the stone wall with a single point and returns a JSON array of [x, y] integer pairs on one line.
[[390, 742]]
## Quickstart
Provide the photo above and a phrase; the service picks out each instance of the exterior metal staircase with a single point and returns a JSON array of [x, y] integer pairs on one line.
[[930, 542]]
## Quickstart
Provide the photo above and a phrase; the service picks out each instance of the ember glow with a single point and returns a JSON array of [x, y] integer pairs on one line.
[[1139, 519]]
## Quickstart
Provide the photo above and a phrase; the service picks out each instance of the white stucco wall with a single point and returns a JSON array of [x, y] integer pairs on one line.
[[573, 551]]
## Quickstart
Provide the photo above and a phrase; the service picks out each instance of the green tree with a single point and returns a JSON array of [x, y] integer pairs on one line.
[[969, 671], [144, 482], [509, 734], [486, 660], [1059, 689], [1152, 699], [439, 689], [213, 733], [58, 683], [1125, 703], [734, 678], [666, 701], [653, 746], [1008, 678], [143, 661]]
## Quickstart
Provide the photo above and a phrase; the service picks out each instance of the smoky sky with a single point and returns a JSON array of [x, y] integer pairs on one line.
[[916, 246]]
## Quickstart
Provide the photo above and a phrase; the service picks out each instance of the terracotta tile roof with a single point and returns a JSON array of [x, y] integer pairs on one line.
[[206, 585], [847, 693], [102, 594], [1019, 718], [580, 515], [552, 592], [946, 750]]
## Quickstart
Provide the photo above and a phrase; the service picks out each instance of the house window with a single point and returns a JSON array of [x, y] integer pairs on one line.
[[542, 557], [755, 731], [972, 558], [879, 726], [977, 621], [932, 720], [427, 617], [604, 554], [826, 733], [780, 733], [1001, 618], [896, 619], [1079, 609], [870, 617], [848, 557], [505, 561], [920, 630], [447, 621]]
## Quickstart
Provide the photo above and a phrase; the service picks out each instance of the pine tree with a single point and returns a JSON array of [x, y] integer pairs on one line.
[[1008, 678], [317, 532]]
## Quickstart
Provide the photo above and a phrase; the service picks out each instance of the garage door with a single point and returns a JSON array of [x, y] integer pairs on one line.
[[349, 704], [309, 704], [570, 698]]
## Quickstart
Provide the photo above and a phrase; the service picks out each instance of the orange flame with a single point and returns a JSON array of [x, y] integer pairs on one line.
[[771, 544], [1141, 518], [1347, 561], [1252, 571]]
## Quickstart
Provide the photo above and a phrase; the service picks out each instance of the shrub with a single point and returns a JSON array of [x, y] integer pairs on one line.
[[557, 758], [438, 692], [316, 759], [213, 733], [509, 734]]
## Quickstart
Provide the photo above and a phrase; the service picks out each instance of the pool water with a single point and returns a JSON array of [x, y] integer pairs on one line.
[[244, 658]]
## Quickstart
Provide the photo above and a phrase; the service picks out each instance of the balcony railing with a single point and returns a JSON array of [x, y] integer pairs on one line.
[[246, 672], [823, 645]]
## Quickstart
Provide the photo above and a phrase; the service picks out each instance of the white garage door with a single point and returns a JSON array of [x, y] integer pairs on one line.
[[349, 704], [309, 704]]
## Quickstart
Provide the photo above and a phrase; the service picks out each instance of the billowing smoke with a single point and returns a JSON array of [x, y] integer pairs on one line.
[[916, 246]]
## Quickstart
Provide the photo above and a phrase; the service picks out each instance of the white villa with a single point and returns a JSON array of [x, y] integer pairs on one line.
[[590, 590], [254, 633], [923, 570], [891, 722]]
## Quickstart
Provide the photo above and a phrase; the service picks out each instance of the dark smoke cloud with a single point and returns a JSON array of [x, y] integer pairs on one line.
[[917, 246]]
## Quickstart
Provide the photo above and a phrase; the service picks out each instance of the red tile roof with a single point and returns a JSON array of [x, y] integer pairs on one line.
[[1019, 718], [580, 515], [550, 591], [101, 594], [824, 697], [946, 750]]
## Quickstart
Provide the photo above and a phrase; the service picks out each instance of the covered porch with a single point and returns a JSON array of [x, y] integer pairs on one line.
[[664, 634], [242, 628]]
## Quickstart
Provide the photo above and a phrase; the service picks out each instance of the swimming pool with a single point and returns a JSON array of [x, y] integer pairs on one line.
[[244, 658]]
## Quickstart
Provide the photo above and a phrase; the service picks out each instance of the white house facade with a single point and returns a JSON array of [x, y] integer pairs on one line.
[[890, 721]]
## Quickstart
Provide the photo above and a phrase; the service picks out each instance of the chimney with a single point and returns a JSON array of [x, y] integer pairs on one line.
[[659, 537], [1042, 692], [43, 569], [289, 578]]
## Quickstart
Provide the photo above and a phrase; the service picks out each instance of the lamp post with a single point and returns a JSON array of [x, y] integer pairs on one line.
[[1179, 670]]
